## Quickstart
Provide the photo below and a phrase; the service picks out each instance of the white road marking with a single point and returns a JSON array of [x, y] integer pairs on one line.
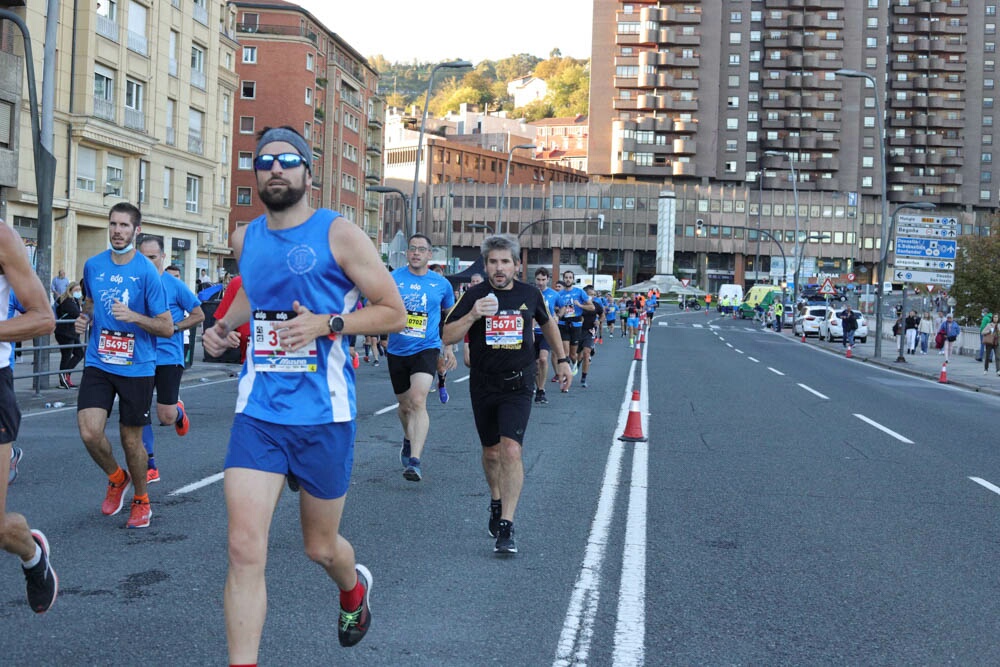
[[661, 324], [756, 361], [727, 344], [889, 431], [982, 482], [813, 391], [388, 408], [462, 379], [697, 326], [710, 326], [775, 371], [738, 351], [212, 479]]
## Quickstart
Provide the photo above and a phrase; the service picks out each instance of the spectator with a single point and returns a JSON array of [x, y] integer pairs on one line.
[[912, 322], [59, 284], [67, 310], [991, 338], [924, 330], [951, 332], [985, 318]]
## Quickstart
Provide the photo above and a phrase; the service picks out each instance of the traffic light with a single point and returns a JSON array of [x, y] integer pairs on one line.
[[699, 227]]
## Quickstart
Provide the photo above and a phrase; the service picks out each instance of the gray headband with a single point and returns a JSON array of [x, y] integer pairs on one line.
[[289, 137]]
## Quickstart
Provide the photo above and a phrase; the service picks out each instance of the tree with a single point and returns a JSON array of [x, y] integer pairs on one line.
[[976, 268], [569, 90], [536, 110], [555, 53]]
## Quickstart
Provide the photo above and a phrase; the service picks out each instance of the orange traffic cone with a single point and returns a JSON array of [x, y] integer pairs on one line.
[[803, 335], [633, 427], [642, 335], [638, 352], [943, 378], [849, 355]]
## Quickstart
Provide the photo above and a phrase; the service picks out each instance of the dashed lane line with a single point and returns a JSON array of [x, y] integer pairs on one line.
[[813, 391], [884, 429], [983, 483], [775, 371]]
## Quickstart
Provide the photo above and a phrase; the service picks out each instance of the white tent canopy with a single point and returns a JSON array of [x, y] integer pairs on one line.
[[666, 285]]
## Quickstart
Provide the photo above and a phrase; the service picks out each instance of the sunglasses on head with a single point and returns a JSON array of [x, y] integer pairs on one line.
[[265, 162]]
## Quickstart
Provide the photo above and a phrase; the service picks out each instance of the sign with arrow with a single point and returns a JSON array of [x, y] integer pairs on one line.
[[929, 231], [933, 264], [929, 277], [907, 246], [940, 221]]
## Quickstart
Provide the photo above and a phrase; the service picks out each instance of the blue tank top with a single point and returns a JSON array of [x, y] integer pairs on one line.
[[550, 296], [180, 300], [314, 385]]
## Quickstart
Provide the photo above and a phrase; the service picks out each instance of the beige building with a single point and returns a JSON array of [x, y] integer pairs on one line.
[[143, 104]]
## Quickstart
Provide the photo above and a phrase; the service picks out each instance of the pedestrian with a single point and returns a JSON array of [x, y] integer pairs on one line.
[[414, 353], [951, 332], [991, 339], [542, 349], [185, 313], [126, 306], [779, 315], [610, 315], [303, 270], [849, 324], [37, 319], [985, 318], [924, 330], [911, 324], [898, 332], [59, 284], [70, 350], [497, 315]]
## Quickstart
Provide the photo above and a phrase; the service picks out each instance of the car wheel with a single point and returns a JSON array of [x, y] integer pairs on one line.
[[864, 339], [829, 336]]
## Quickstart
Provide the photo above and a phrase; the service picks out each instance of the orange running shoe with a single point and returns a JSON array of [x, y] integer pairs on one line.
[[184, 424], [140, 516], [115, 497], [152, 475]]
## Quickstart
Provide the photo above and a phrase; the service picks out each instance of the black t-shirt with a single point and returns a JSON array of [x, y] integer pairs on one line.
[[590, 316], [511, 341]]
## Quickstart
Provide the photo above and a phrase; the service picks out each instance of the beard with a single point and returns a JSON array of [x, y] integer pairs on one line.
[[281, 200]]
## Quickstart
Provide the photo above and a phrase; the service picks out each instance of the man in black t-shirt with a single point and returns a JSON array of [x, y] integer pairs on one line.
[[592, 321], [497, 315]]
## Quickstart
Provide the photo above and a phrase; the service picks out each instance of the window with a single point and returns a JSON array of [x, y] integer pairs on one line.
[[133, 95], [172, 53], [309, 96], [197, 66], [104, 92], [108, 9], [196, 121], [6, 120], [171, 115], [307, 131], [168, 179], [224, 150], [734, 59], [114, 175], [735, 38], [309, 61], [248, 90], [137, 28], [246, 124], [250, 22], [243, 196], [192, 194], [732, 123], [734, 81], [86, 169], [245, 160], [144, 181], [868, 161], [250, 54], [225, 108]]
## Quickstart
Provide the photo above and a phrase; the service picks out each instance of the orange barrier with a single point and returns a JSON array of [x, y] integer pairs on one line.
[[633, 427]]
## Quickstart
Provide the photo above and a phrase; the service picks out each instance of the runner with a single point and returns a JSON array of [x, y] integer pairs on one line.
[[186, 313], [37, 319], [574, 301], [542, 277], [497, 315], [610, 315], [591, 331], [632, 308], [296, 414], [127, 305], [442, 362], [413, 353]]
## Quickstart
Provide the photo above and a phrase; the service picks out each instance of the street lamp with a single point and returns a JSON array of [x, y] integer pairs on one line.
[[920, 205], [387, 190], [506, 179], [455, 64], [795, 197], [880, 119]]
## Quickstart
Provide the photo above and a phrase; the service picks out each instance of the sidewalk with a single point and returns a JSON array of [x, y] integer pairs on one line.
[[963, 369]]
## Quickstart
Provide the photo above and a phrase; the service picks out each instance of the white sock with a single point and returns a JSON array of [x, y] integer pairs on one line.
[[28, 564]]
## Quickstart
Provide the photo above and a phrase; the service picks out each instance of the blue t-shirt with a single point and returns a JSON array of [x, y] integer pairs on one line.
[[118, 347], [180, 300], [550, 296], [566, 298], [610, 312], [424, 297]]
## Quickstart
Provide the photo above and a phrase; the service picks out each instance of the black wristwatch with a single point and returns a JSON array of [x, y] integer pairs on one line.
[[564, 360], [336, 324]]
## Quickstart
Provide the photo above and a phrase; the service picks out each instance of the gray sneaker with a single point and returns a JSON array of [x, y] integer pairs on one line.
[[16, 454]]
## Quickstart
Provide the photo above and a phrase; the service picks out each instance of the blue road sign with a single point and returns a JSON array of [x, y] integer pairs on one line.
[[926, 248]]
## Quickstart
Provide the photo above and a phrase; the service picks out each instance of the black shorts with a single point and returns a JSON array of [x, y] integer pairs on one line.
[[168, 384], [586, 340], [500, 412], [571, 334], [401, 368], [10, 414], [540, 344], [135, 394]]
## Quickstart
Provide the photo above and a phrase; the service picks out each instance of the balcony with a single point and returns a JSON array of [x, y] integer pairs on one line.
[[287, 30], [135, 119], [137, 43], [201, 14], [107, 28], [104, 109]]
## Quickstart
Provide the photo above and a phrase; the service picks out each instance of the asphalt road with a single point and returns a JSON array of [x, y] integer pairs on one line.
[[789, 507]]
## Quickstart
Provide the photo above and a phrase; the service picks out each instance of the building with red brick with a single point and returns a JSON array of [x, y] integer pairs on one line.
[[563, 140]]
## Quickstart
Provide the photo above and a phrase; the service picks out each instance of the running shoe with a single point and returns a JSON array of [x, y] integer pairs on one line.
[[183, 423], [540, 398], [356, 363], [505, 538], [366, 358], [354, 624], [140, 515], [443, 393], [16, 454], [576, 367], [412, 471], [152, 475], [115, 497], [375, 363], [584, 384], [40, 581], [555, 378], [496, 507], [404, 453]]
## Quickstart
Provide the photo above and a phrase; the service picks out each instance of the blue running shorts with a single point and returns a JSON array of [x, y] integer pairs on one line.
[[633, 322], [319, 456]]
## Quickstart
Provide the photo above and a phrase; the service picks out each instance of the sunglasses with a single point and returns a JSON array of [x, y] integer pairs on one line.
[[286, 160]]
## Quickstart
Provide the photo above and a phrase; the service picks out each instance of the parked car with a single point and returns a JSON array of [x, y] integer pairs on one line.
[[831, 329], [808, 321]]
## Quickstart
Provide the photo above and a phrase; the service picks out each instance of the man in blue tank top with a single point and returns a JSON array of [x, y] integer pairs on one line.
[[303, 271], [185, 312], [413, 353], [126, 306]]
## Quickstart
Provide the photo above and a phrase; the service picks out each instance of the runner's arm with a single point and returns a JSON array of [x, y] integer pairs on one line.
[[384, 313], [38, 318]]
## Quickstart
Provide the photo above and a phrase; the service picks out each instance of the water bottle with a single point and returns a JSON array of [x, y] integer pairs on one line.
[[58, 404], [496, 304]]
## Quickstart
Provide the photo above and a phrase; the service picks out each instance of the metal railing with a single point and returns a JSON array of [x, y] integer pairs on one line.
[[36, 351]]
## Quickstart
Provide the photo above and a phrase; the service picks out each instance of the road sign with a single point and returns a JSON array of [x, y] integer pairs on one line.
[[907, 246], [933, 264], [929, 231], [930, 288], [827, 289], [940, 221], [903, 275], [850, 276], [685, 281]]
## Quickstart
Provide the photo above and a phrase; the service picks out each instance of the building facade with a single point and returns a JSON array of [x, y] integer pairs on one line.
[[294, 71], [724, 101], [142, 113], [563, 140]]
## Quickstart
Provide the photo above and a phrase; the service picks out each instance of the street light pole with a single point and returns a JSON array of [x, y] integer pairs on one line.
[[795, 198], [385, 190], [506, 180], [455, 64]]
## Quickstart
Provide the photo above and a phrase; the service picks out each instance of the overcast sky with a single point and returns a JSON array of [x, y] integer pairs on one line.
[[434, 30]]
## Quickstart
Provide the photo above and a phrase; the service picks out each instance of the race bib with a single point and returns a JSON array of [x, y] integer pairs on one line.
[[116, 347], [504, 329], [269, 356], [416, 324]]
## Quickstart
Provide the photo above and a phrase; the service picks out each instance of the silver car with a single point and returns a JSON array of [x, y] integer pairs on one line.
[[831, 327]]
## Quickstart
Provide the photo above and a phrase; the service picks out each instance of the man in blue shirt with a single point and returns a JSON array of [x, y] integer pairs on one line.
[[413, 353], [542, 277], [573, 301], [185, 313], [127, 307]]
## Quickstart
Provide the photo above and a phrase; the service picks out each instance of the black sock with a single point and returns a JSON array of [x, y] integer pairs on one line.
[[584, 376]]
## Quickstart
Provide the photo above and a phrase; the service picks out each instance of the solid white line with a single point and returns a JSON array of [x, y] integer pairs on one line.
[[197, 485], [697, 326], [982, 482], [883, 429], [462, 379], [775, 371], [738, 351], [386, 409], [756, 361], [812, 391]]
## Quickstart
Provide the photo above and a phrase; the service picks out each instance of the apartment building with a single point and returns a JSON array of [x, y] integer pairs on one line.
[[727, 106], [563, 140], [295, 71], [143, 108]]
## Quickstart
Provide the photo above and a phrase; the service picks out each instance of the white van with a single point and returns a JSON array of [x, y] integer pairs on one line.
[[734, 294]]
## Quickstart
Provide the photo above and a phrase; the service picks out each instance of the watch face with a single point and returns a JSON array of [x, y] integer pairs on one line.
[[336, 324]]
